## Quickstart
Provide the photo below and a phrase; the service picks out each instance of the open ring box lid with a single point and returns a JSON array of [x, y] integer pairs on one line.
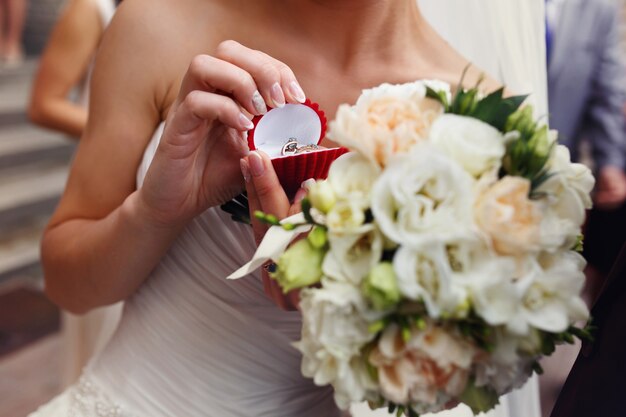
[[307, 124]]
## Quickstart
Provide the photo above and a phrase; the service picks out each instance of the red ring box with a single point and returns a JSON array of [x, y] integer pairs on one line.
[[307, 124]]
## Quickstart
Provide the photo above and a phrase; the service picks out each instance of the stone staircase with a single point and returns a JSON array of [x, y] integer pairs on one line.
[[33, 170]]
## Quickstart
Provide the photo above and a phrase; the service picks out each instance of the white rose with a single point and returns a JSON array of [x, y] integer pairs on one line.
[[385, 121], [352, 256], [427, 275], [477, 146], [568, 197], [333, 333], [423, 198], [333, 317]]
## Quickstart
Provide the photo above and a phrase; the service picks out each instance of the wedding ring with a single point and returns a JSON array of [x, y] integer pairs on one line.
[[292, 148], [306, 148]]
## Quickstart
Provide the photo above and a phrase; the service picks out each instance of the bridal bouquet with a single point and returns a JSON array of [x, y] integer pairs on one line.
[[441, 261]]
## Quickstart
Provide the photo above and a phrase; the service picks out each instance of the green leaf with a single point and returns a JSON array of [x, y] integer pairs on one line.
[[580, 243], [412, 413], [439, 96], [479, 399], [495, 110]]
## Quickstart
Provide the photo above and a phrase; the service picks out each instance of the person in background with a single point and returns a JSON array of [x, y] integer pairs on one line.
[[65, 67], [587, 92], [59, 101], [12, 16]]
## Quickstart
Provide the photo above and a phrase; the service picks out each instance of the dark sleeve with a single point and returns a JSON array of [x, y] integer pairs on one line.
[[605, 125]]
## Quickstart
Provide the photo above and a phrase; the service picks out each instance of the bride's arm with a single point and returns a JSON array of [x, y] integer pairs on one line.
[[98, 246], [105, 238]]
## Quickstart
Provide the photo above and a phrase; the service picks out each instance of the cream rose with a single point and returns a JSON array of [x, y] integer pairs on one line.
[[477, 146], [386, 120], [510, 219], [432, 365]]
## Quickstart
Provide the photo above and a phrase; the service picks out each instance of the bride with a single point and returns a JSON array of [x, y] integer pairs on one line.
[[140, 218]]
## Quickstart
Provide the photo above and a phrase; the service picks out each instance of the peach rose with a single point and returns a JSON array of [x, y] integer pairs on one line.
[[511, 220], [432, 362], [385, 121]]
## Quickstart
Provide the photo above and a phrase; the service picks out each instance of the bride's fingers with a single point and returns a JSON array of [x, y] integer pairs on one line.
[[266, 186], [276, 81], [200, 107], [254, 204], [207, 73]]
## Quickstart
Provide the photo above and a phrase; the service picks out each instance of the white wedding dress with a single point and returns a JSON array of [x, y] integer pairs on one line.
[[191, 344]]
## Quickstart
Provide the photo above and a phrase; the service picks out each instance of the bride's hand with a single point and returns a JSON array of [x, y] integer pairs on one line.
[[267, 195], [196, 165]]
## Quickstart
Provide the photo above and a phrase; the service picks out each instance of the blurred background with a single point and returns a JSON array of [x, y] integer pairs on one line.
[[33, 168]]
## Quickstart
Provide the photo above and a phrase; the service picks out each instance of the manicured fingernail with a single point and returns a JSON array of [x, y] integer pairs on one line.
[[257, 168], [259, 103], [277, 96], [306, 184], [245, 171], [245, 122], [296, 92]]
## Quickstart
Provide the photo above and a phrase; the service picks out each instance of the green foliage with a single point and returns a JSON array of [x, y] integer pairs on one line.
[[529, 150], [579, 246], [493, 109], [549, 341], [479, 399]]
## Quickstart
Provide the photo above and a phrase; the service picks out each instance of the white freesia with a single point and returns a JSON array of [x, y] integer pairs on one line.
[[345, 216], [351, 176], [489, 281], [567, 198], [477, 146], [322, 196], [550, 294], [422, 198], [386, 120], [353, 255], [427, 275]]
